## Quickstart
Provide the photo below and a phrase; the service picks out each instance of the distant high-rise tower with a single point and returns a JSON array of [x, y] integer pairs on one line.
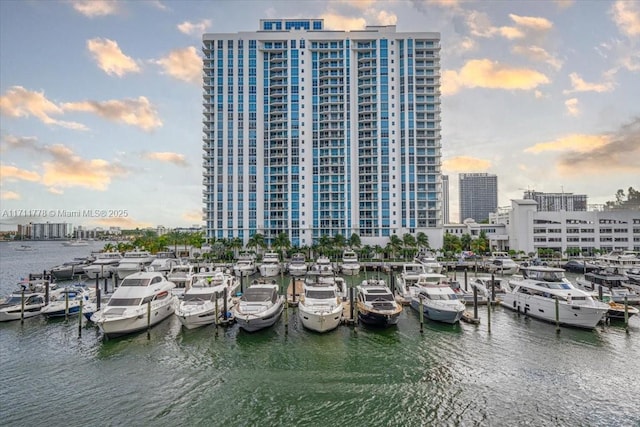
[[314, 133], [445, 199], [554, 202], [478, 195]]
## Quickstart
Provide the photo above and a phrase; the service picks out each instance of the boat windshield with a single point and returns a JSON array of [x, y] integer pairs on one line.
[[135, 282], [318, 294], [257, 295], [199, 297], [124, 302], [445, 297], [12, 300], [379, 297]]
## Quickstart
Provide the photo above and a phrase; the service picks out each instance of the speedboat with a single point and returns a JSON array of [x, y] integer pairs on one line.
[[70, 269], [616, 284], [134, 261], [245, 265], [538, 298], [259, 307], [320, 307], [270, 266], [408, 279], [488, 286], [103, 266], [204, 303], [66, 301], [350, 265], [437, 301], [501, 263], [616, 310], [142, 300], [430, 262], [298, 265], [376, 304], [21, 304]]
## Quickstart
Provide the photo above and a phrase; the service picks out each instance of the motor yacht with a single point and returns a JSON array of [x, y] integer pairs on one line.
[[270, 266], [163, 261], [320, 307], [501, 263], [204, 300], [376, 304], [431, 264], [437, 301], [66, 301], [298, 265], [259, 307], [180, 275], [538, 298], [134, 261], [487, 286], [408, 278], [245, 265], [142, 300], [103, 266], [21, 304], [70, 269], [616, 284], [350, 265]]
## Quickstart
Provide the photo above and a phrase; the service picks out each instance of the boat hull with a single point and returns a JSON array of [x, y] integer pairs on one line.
[[269, 270], [133, 320], [350, 270], [379, 320], [297, 271], [254, 322], [193, 317], [438, 314], [8, 314], [319, 321], [586, 317]]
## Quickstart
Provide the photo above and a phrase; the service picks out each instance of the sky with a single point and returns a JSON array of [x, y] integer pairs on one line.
[[101, 101]]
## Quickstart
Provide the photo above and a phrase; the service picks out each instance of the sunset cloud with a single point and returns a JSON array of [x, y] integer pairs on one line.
[[194, 28], [67, 169], [124, 223], [532, 22], [538, 54], [183, 64], [9, 195], [136, 112], [110, 58], [175, 158], [20, 102], [194, 216], [579, 143], [465, 164], [16, 142], [484, 73], [579, 85], [381, 17], [93, 8], [480, 25], [572, 107], [626, 15], [334, 21], [12, 173]]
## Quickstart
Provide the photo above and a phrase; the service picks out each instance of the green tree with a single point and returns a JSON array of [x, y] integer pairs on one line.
[[281, 242], [354, 241], [409, 243], [465, 241], [422, 240], [451, 244], [394, 245]]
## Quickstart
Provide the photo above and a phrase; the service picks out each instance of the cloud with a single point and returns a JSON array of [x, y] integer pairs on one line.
[[564, 4], [538, 54], [16, 142], [531, 22], [183, 64], [194, 216], [12, 173], [465, 164], [618, 154], [55, 191], [93, 8], [579, 85], [20, 102], [492, 75], [9, 195], [334, 21], [175, 158], [110, 58], [136, 112], [577, 143], [382, 17], [124, 223], [67, 169], [626, 15], [194, 28], [158, 4], [572, 107]]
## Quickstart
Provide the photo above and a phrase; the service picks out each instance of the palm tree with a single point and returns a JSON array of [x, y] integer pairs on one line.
[[256, 241], [281, 241], [354, 241], [395, 243], [339, 243], [422, 240], [408, 241]]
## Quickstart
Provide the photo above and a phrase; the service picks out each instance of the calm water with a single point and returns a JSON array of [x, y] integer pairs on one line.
[[521, 373]]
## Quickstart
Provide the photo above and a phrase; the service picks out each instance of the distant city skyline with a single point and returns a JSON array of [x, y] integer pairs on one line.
[[110, 118]]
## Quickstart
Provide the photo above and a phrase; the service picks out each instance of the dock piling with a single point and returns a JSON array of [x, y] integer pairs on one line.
[[465, 281], [224, 304], [626, 314], [46, 292], [475, 302], [22, 306], [80, 319], [557, 315], [215, 296], [493, 289], [286, 316], [66, 305], [351, 304], [149, 320], [489, 317], [421, 314]]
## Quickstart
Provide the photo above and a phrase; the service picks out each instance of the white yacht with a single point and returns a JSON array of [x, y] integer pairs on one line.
[[430, 262], [142, 300], [204, 299], [66, 301], [407, 279], [298, 265], [486, 287], [619, 261], [376, 304], [245, 265], [103, 266], [536, 297], [163, 261], [180, 275], [436, 298], [350, 265], [134, 261], [323, 265], [501, 263], [320, 307], [69, 269], [17, 306], [270, 266], [260, 306], [616, 284]]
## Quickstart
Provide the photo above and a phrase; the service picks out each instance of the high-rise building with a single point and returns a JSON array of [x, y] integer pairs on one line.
[[478, 195], [445, 199], [316, 133], [555, 202]]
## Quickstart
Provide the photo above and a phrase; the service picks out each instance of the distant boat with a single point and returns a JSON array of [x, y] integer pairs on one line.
[[25, 248], [78, 242]]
